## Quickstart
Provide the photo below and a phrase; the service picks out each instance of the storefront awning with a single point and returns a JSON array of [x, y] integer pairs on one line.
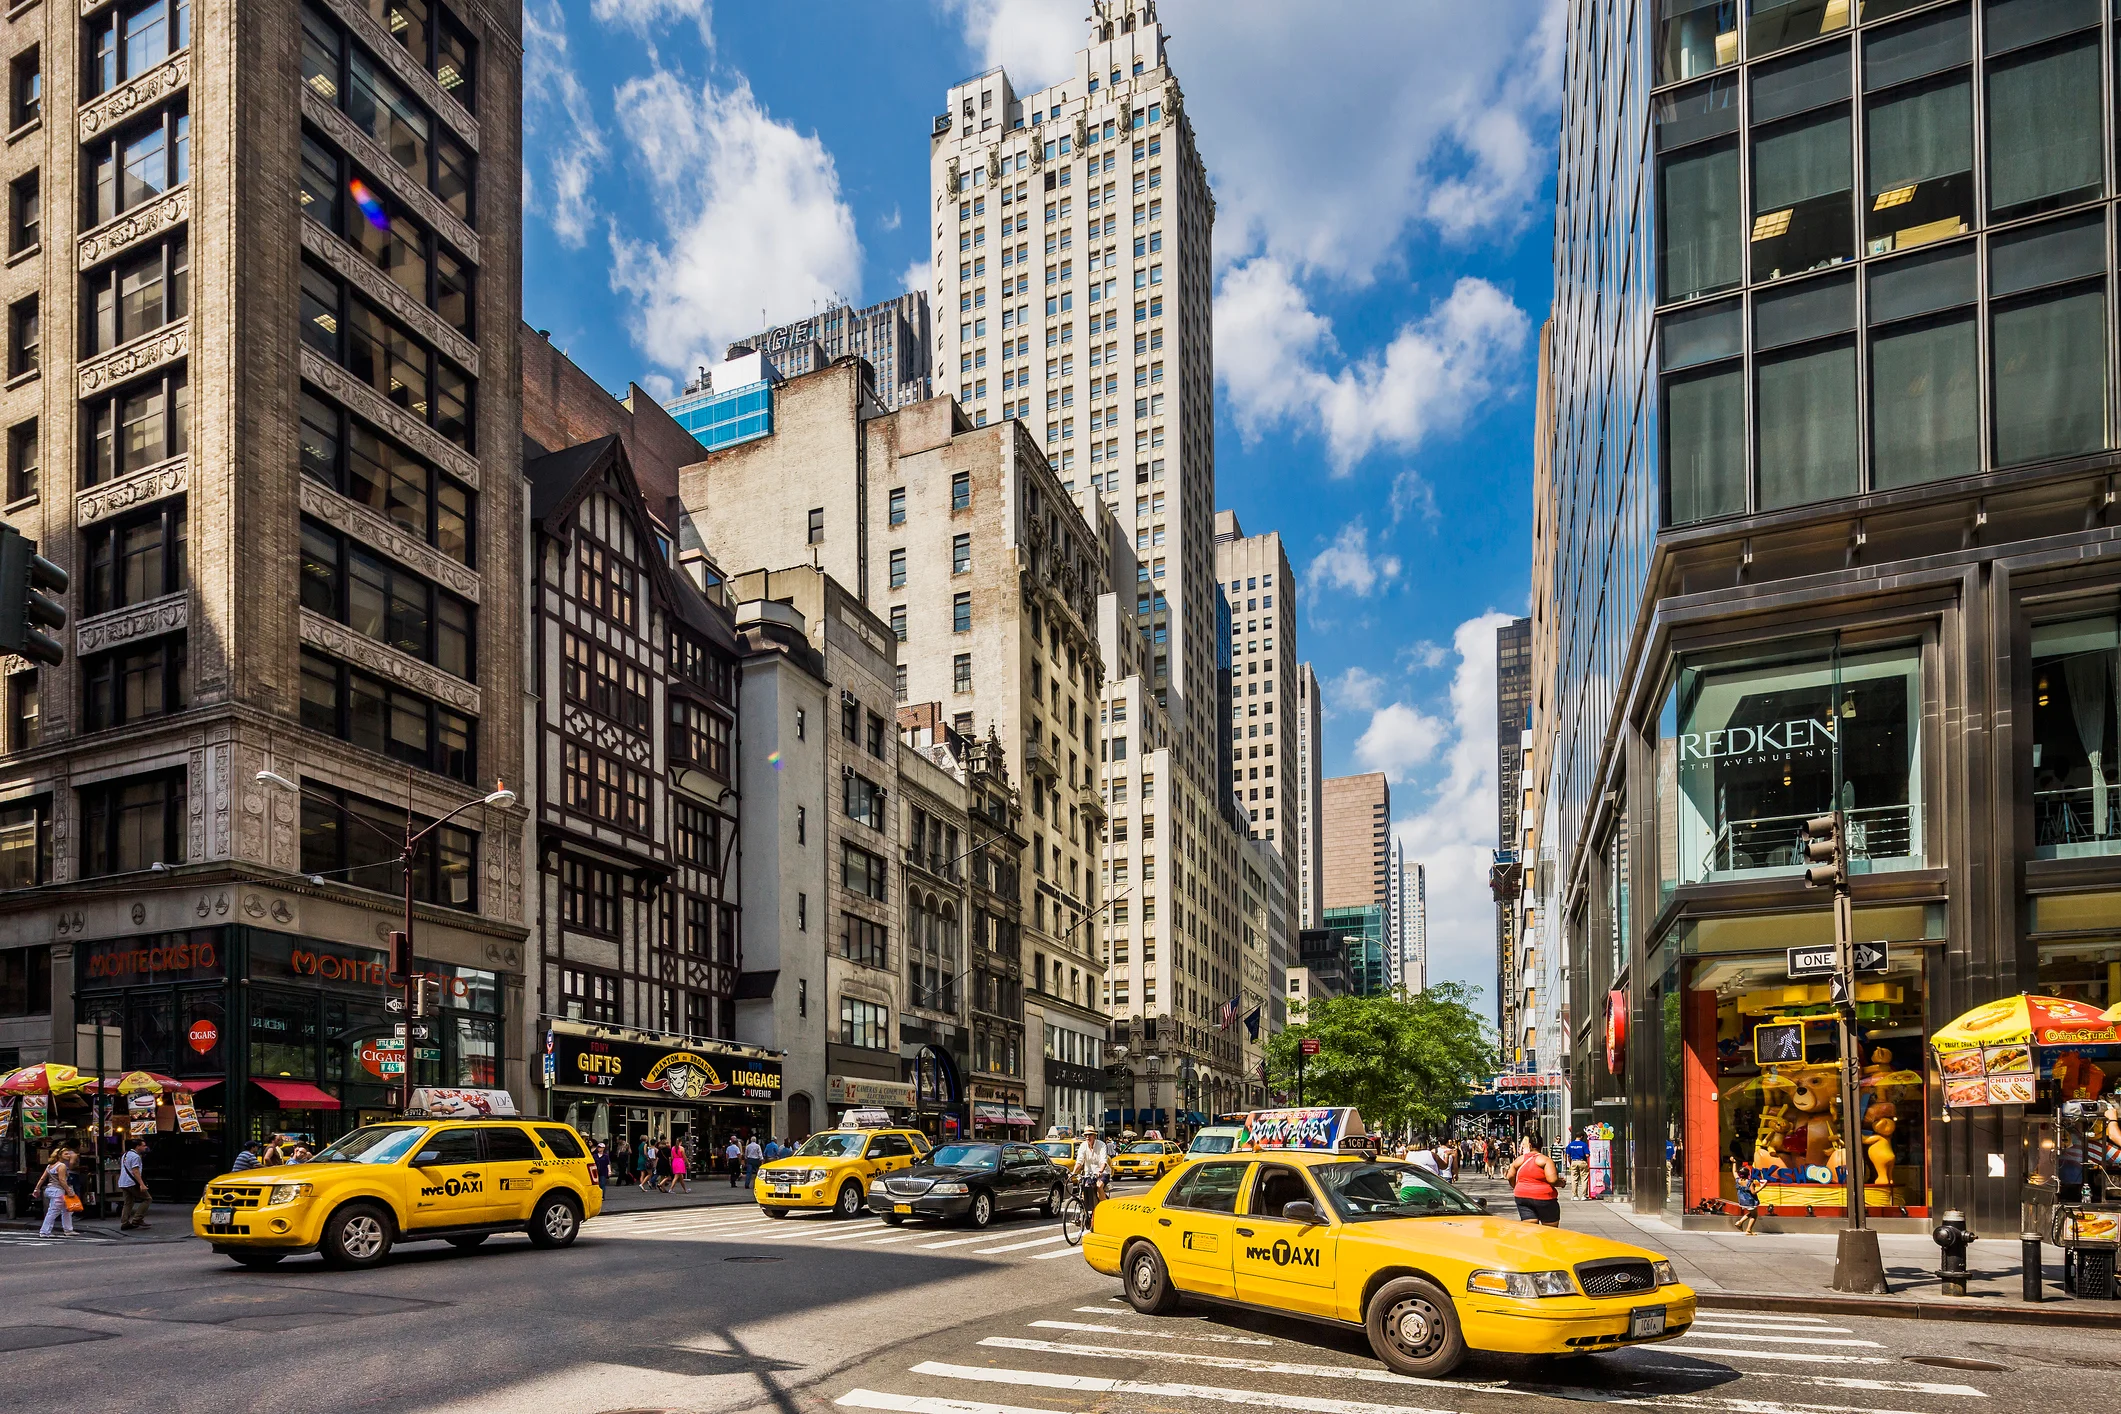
[[994, 1112], [297, 1095]]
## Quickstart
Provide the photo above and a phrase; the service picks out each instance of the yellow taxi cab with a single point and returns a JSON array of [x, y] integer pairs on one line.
[[1293, 1221], [414, 1180], [1147, 1158], [1060, 1151], [833, 1167]]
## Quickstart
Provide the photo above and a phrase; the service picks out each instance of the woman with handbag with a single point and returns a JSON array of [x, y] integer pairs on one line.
[[60, 1204]]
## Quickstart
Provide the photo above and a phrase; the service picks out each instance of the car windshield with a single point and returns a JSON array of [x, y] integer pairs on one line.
[[1363, 1192], [1057, 1150], [1147, 1146], [1213, 1144], [967, 1156], [830, 1146], [377, 1144]]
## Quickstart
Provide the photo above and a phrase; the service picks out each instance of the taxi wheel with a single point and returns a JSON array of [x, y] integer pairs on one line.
[[773, 1212], [1149, 1288], [981, 1213], [554, 1223], [850, 1203], [1413, 1328], [358, 1235]]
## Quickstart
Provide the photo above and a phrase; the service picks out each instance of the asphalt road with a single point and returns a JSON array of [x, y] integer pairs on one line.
[[721, 1310]]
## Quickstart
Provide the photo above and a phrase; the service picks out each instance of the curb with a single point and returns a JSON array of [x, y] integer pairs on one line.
[[2065, 1312]]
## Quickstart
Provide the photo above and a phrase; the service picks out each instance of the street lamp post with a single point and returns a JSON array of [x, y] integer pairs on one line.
[[400, 965]]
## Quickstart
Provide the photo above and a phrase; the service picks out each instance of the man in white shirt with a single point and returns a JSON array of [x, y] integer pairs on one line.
[[1422, 1157], [132, 1186], [1093, 1161], [753, 1157]]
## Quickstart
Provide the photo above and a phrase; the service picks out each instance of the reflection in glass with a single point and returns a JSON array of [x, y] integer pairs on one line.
[[1925, 403], [2050, 375], [2076, 764], [1919, 163], [1778, 24], [1695, 36], [1802, 184], [1806, 420], [2043, 128]]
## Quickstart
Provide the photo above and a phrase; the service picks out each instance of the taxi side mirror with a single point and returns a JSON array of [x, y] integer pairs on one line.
[[426, 1157], [1300, 1212], [1480, 1203]]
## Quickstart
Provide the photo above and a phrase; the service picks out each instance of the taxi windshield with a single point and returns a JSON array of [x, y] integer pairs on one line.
[[1058, 1149], [830, 1146], [1213, 1144], [1365, 1192], [377, 1144], [967, 1156], [1147, 1146]]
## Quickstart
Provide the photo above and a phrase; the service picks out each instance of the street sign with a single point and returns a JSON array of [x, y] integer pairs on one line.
[[1812, 962], [1869, 957], [398, 1029], [1837, 990], [1308, 1046], [421, 1031], [394, 1005]]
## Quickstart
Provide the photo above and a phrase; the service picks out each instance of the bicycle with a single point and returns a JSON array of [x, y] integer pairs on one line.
[[1077, 1207]]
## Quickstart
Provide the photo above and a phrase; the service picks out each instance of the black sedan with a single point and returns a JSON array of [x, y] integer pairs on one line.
[[970, 1181]]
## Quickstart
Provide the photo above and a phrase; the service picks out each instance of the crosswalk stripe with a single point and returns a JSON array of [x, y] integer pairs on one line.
[[1366, 1373], [1801, 1355], [1719, 1324], [1020, 1246], [887, 1241], [1099, 1384], [860, 1230], [922, 1404], [1785, 1339], [957, 1242], [1154, 1335], [1761, 1317], [1049, 1256], [1833, 1381]]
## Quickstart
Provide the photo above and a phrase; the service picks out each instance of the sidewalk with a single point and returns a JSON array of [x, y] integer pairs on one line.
[[709, 1191], [1794, 1271], [167, 1222]]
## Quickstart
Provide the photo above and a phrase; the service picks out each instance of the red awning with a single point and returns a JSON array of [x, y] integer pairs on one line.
[[297, 1094]]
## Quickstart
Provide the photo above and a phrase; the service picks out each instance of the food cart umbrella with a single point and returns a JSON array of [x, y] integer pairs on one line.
[[142, 1082], [44, 1079], [1766, 1080], [2027, 1019]]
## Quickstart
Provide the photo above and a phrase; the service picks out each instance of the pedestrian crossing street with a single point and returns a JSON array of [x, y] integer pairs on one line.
[[1019, 1238], [1107, 1357]]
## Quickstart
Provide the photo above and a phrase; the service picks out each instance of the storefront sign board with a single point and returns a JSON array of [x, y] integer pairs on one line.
[[654, 1072], [855, 1090], [164, 957]]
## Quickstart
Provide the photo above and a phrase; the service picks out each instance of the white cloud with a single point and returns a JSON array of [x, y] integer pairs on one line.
[[1272, 352], [643, 16], [1451, 828], [560, 122], [752, 219], [1424, 654], [890, 220], [1398, 739], [1035, 40], [1348, 564], [1357, 690]]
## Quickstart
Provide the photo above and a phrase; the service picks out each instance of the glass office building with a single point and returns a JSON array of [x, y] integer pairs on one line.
[[1832, 525]]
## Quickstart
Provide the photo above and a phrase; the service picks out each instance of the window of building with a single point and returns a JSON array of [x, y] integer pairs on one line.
[[601, 785], [863, 941], [1778, 24], [126, 41], [24, 337], [898, 569], [26, 843], [25, 979], [1748, 751], [960, 491], [876, 736], [129, 824], [25, 213], [589, 996], [1805, 392], [382, 600], [22, 460], [1803, 163], [1925, 368], [379, 351], [696, 836], [366, 854], [817, 525], [960, 554], [25, 89], [611, 686], [1694, 37], [342, 701], [345, 453], [361, 211], [864, 1024], [137, 681], [898, 502], [135, 426], [589, 897], [435, 39], [1918, 118], [134, 559], [863, 800], [898, 622], [131, 165], [141, 291], [961, 612], [2043, 106], [699, 736], [340, 72], [961, 673], [861, 872], [2047, 339], [2076, 766]]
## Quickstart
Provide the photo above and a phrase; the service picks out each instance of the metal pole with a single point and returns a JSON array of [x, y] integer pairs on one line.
[[1857, 1264], [405, 868], [1299, 1075]]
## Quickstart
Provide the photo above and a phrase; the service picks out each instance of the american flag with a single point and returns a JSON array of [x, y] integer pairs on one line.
[[1228, 1015]]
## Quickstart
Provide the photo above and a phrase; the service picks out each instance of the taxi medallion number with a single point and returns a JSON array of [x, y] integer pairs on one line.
[[1645, 1321]]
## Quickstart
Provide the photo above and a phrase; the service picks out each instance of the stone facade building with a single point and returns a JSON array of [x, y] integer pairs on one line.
[[261, 403]]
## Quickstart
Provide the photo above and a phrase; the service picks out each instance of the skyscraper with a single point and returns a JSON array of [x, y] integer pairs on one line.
[[1072, 267], [1513, 691], [1357, 897], [1407, 932], [1310, 890], [891, 334]]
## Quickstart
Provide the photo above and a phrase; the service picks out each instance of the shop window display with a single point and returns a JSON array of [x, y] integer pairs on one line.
[[2076, 739], [1748, 753]]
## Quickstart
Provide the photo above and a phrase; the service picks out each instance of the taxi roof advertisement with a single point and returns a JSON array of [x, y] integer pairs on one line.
[[686, 1074], [1317, 1128]]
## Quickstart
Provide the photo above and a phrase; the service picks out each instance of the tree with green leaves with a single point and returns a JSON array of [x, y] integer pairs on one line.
[[1405, 1060]]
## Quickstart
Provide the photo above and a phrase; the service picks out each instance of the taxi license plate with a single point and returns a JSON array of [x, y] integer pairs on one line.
[[780, 1190], [1645, 1321], [901, 1207], [221, 1217]]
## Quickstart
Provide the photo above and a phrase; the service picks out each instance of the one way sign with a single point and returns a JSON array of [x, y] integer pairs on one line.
[[1819, 961]]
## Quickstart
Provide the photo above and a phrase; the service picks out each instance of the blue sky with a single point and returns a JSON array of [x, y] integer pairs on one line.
[[1383, 176]]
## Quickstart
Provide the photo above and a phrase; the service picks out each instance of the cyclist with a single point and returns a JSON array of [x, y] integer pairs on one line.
[[1093, 1166]]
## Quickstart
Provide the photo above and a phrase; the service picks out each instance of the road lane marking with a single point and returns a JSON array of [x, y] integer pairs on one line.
[[1786, 1339], [1831, 1381], [901, 1237], [1020, 1246], [860, 1230], [1155, 1335], [1367, 1374], [1777, 1317], [919, 1404], [1720, 1324], [957, 1242], [1099, 1384], [1049, 1256], [1799, 1355]]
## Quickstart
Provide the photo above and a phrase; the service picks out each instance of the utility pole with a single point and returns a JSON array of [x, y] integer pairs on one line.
[[1857, 1264]]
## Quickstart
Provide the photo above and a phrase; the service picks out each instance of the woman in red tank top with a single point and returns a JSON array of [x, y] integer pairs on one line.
[[1532, 1179]]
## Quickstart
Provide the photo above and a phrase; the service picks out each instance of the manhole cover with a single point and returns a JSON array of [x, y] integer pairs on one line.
[[251, 1305], [751, 1259], [1953, 1362]]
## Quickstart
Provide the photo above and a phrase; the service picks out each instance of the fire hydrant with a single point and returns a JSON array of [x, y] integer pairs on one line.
[[1952, 1236]]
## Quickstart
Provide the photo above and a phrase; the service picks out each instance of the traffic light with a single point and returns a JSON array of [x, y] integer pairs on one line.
[[1826, 863], [28, 584], [400, 957]]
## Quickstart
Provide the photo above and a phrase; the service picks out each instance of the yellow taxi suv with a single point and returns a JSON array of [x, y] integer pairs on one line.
[[831, 1171], [1147, 1158], [1061, 1152], [1338, 1236], [458, 1181]]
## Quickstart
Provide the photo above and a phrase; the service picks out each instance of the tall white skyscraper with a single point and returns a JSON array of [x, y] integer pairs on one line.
[[1310, 887], [1072, 286], [1407, 921]]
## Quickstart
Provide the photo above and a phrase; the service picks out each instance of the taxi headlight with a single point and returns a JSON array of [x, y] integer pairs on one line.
[[288, 1193], [1528, 1285], [950, 1190], [1665, 1275]]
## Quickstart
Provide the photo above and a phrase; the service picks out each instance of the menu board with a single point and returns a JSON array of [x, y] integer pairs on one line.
[[1988, 1075]]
